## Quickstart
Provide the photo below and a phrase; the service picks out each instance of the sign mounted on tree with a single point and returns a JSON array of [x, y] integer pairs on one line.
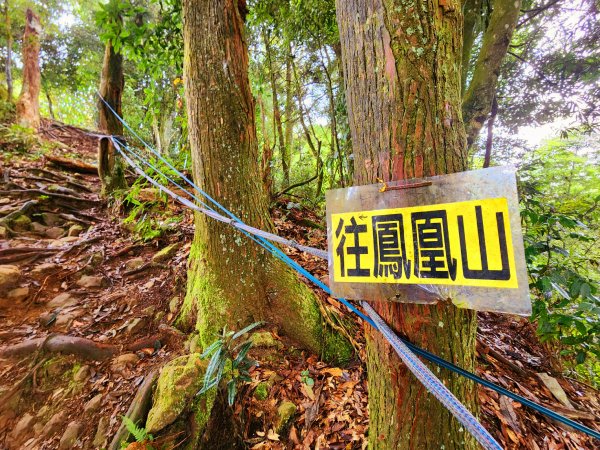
[[453, 237]]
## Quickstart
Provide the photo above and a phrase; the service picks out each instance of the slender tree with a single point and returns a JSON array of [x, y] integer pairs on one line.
[[112, 81], [403, 74], [9, 44], [28, 105], [232, 281]]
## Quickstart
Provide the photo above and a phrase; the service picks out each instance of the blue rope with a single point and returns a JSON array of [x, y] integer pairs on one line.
[[274, 250]]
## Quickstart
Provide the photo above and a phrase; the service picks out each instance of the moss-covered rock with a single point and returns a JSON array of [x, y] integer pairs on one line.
[[178, 382], [264, 339], [285, 412], [21, 223], [261, 392], [165, 254]]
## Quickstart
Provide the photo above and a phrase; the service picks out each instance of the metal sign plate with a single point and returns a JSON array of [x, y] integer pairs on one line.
[[453, 237]]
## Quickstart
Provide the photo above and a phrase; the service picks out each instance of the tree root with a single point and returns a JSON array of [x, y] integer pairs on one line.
[[81, 347], [49, 194], [24, 209], [73, 165], [138, 410], [9, 259]]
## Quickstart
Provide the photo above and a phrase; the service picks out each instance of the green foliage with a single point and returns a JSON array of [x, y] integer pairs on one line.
[[17, 138], [560, 191], [306, 378], [140, 434], [146, 216], [228, 360]]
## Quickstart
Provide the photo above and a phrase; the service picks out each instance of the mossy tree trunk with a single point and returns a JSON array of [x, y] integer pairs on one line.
[[405, 71], [112, 81], [28, 105], [232, 281], [403, 88]]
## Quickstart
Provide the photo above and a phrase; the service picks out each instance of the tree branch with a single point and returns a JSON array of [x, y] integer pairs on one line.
[[477, 100]]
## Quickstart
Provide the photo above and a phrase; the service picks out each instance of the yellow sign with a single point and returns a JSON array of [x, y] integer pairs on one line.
[[462, 244]]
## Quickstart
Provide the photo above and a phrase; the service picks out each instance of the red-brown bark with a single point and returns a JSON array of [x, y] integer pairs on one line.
[[28, 105]]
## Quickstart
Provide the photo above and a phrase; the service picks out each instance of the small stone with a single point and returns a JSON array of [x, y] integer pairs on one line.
[[122, 361], [51, 219], [37, 429], [285, 413], [75, 230], [101, 438], [43, 269], [134, 263], [88, 281], [65, 320], [173, 305], [38, 228], [22, 429], [68, 239], [18, 294], [9, 276], [82, 374], [265, 339], [47, 319], [21, 223], [62, 300], [54, 424], [137, 324], [93, 404], [97, 259], [165, 254], [261, 392], [68, 439], [55, 232], [149, 311], [43, 412]]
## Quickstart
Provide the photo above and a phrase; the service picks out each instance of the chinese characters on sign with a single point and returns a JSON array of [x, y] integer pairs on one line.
[[453, 237], [463, 243]]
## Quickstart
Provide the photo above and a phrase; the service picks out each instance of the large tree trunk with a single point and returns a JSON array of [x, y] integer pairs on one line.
[[403, 88], [231, 280], [110, 166], [28, 105]]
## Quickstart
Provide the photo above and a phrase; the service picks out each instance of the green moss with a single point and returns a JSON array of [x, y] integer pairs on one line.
[[337, 349], [178, 383], [262, 391]]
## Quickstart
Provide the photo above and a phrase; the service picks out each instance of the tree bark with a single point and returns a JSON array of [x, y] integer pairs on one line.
[[231, 280], [9, 44], [277, 112], [472, 21], [403, 90], [477, 101], [28, 105], [490, 133], [289, 111], [110, 166], [267, 151]]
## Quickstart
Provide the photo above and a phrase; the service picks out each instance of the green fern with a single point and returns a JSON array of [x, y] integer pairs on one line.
[[140, 434]]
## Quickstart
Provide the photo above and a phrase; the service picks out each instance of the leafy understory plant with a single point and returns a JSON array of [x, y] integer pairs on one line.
[[140, 434], [229, 360]]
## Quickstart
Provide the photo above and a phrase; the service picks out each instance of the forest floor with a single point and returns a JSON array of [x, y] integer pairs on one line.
[[87, 312]]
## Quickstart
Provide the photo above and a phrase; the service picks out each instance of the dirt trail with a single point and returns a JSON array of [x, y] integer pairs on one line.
[[87, 311]]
